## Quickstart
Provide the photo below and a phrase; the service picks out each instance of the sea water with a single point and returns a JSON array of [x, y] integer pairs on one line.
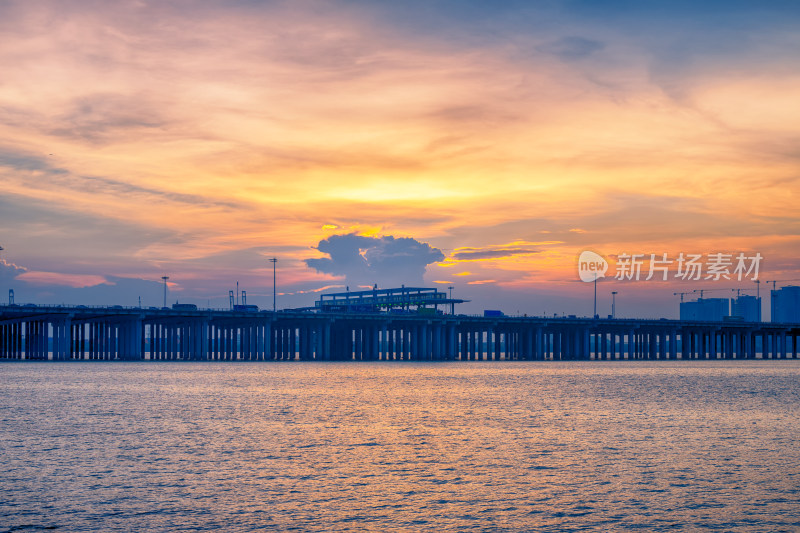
[[494, 446]]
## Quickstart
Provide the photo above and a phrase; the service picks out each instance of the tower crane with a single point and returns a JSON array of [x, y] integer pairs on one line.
[[738, 291], [780, 281], [702, 291], [681, 293]]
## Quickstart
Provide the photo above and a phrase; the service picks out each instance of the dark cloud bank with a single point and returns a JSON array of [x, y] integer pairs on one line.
[[387, 261]]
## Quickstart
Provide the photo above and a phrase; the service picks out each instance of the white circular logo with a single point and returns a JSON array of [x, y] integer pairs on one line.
[[591, 266]]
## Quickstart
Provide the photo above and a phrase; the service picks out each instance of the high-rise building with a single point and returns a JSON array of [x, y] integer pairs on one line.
[[746, 307], [786, 304], [707, 309]]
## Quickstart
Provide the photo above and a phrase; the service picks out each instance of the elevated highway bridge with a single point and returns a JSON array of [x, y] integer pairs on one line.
[[70, 333]]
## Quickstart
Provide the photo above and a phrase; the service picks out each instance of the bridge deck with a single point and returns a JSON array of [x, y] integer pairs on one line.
[[119, 333]]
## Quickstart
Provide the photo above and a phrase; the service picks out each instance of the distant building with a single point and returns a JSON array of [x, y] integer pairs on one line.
[[706, 309], [748, 308], [786, 304]]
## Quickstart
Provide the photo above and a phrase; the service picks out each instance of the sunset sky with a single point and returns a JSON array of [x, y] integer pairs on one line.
[[482, 145]]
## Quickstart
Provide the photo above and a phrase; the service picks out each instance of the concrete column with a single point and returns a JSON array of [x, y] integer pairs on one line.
[[268, 341], [662, 344], [313, 341], [387, 342], [57, 336], [557, 354], [436, 342], [315, 333], [211, 340], [358, 341], [424, 344], [42, 354], [124, 336], [302, 341], [37, 353], [78, 336], [714, 344], [135, 334], [258, 341], [252, 341], [34, 348], [326, 341], [102, 343], [373, 342], [729, 340], [244, 341], [202, 338], [150, 330], [413, 342], [96, 348]]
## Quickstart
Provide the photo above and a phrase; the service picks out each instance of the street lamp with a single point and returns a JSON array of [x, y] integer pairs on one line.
[[165, 278], [595, 296], [613, 304], [758, 298], [274, 260], [10, 291], [452, 304]]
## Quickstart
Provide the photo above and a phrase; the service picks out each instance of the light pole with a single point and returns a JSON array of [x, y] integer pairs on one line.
[[758, 298], [595, 296], [10, 291], [452, 305], [165, 278], [613, 304], [274, 260]]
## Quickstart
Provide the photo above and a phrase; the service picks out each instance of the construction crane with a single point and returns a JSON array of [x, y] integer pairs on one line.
[[780, 281], [681, 293], [756, 289], [702, 291]]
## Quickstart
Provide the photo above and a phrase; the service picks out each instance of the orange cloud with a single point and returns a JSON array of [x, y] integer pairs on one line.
[[56, 278]]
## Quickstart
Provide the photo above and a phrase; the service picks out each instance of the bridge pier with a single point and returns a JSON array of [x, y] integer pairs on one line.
[[61, 334]]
